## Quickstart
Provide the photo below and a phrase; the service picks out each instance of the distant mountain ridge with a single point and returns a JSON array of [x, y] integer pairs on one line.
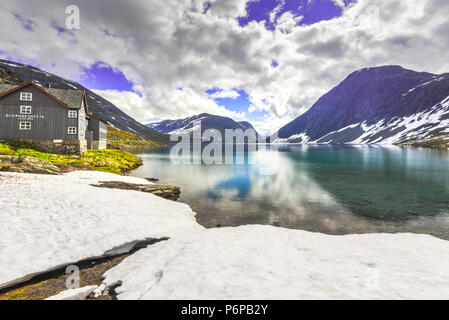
[[16, 73], [376, 105], [208, 121]]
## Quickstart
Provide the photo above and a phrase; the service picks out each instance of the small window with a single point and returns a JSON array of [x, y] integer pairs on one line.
[[25, 109], [72, 130], [73, 114], [26, 96], [25, 125]]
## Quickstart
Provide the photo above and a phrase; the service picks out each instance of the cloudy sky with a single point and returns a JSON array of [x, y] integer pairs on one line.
[[266, 61]]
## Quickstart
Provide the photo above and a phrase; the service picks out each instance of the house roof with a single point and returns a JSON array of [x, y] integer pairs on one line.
[[71, 99], [6, 87], [68, 98]]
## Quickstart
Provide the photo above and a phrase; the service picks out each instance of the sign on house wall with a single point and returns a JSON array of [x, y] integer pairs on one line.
[[25, 117]]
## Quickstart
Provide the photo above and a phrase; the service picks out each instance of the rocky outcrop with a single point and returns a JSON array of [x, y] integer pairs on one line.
[[8, 77], [161, 190], [437, 143], [29, 165]]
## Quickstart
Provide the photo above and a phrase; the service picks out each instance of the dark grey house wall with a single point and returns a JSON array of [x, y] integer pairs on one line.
[[99, 129], [49, 119], [103, 135]]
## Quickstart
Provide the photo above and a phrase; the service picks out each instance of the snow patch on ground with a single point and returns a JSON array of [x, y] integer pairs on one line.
[[55, 220], [71, 85], [11, 64], [302, 137], [74, 294], [263, 262], [423, 85]]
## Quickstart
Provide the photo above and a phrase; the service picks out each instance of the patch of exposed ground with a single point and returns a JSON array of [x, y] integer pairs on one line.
[[52, 283], [89, 276], [161, 190], [434, 143]]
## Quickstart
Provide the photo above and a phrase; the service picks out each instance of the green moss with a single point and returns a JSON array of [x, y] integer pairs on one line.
[[115, 161], [117, 134], [122, 140]]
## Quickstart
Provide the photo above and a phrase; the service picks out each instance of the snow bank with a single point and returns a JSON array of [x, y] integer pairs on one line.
[[49, 221], [74, 294], [263, 262]]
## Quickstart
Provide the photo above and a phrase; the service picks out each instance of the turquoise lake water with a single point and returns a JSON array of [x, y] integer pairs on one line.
[[329, 189]]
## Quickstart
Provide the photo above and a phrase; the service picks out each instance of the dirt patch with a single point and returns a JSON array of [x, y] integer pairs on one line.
[[89, 276], [54, 282]]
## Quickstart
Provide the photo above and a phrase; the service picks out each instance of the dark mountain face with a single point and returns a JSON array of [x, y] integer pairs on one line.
[[208, 121], [376, 105], [246, 125], [16, 73]]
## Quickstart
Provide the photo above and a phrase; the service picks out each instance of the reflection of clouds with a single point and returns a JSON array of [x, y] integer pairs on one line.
[[295, 196]]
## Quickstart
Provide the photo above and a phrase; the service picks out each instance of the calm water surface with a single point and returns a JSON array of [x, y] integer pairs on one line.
[[334, 190]]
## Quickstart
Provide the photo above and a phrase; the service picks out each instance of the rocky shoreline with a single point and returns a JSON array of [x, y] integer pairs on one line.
[[25, 164], [165, 191], [441, 143]]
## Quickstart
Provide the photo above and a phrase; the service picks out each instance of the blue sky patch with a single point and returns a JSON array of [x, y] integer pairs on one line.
[[101, 76], [240, 104], [312, 11]]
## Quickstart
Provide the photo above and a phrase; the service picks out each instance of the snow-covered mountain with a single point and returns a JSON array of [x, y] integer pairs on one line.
[[376, 105], [16, 73], [208, 121]]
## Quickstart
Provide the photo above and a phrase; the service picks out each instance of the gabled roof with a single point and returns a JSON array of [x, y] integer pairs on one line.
[[30, 83], [68, 98], [72, 98], [6, 87]]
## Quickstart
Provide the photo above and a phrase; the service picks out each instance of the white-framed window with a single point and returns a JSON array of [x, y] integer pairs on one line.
[[72, 130], [26, 96], [25, 109], [73, 114], [25, 125]]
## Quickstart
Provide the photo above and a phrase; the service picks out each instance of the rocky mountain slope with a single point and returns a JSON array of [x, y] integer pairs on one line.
[[376, 105], [208, 121], [16, 73]]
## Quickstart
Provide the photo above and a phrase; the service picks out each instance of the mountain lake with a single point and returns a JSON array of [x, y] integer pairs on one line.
[[319, 188]]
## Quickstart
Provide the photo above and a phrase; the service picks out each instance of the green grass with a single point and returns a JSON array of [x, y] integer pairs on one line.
[[115, 161], [123, 140], [117, 134]]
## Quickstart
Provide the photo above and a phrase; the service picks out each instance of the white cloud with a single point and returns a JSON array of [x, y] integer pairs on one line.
[[339, 3], [164, 45], [183, 102], [231, 94]]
